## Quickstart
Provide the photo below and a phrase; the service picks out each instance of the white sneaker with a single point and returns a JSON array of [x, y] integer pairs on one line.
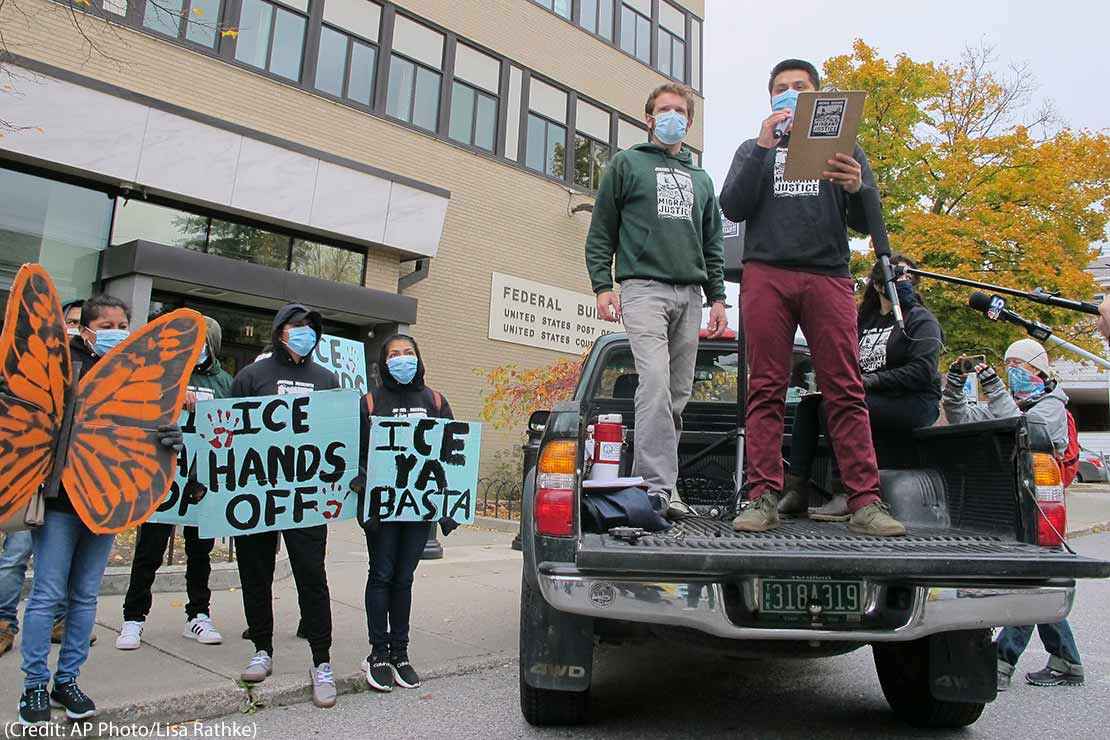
[[201, 629], [130, 636]]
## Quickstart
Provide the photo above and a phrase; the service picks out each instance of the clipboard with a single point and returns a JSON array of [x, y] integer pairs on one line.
[[825, 123]]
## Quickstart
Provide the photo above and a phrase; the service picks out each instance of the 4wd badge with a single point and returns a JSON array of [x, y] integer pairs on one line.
[[602, 595]]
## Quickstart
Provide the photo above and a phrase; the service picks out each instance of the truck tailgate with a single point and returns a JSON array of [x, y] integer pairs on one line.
[[710, 547]]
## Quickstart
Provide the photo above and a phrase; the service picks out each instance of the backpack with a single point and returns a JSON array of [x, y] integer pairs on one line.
[[1069, 460]]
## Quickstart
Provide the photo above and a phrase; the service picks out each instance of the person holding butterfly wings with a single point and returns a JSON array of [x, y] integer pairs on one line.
[[109, 443]]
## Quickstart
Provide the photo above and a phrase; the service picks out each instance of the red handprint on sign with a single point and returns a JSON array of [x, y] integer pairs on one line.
[[334, 505], [222, 428]]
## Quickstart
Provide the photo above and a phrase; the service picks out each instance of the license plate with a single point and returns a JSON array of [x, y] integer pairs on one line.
[[804, 596]]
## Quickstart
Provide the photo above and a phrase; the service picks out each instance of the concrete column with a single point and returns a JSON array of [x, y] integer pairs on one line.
[[134, 290]]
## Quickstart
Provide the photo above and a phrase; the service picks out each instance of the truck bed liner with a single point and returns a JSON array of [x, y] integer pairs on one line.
[[802, 547]]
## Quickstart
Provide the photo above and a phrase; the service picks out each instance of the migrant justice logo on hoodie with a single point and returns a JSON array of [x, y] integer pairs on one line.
[[278, 373]]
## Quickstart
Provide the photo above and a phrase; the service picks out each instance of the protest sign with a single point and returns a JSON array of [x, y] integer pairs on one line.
[[344, 357], [421, 469], [277, 462], [178, 508]]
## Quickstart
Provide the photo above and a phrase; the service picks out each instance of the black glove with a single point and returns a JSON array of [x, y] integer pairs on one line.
[[956, 368], [358, 483], [870, 380], [195, 490], [169, 435], [988, 376], [447, 525]]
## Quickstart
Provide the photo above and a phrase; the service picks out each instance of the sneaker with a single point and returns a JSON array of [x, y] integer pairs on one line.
[[76, 703], [677, 510], [201, 629], [760, 516], [875, 519], [1051, 676], [795, 499], [260, 666], [34, 706], [1005, 673], [130, 636], [836, 510], [323, 686], [59, 631], [7, 636], [403, 673], [379, 673]]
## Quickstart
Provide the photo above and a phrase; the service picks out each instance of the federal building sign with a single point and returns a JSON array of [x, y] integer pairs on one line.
[[538, 315]]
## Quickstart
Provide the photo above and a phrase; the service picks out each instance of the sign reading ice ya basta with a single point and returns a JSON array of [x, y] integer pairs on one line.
[[537, 315]]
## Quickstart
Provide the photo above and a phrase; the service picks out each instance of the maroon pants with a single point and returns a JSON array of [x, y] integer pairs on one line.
[[775, 302]]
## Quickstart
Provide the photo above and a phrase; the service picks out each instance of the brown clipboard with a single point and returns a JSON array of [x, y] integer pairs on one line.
[[825, 123]]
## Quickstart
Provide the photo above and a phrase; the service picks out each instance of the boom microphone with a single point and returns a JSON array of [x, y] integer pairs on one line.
[[994, 308], [873, 210]]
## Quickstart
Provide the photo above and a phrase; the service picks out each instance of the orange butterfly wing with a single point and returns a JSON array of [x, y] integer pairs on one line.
[[116, 471], [35, 367]]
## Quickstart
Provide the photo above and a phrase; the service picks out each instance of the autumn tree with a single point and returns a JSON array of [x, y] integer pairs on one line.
[[514, 393], [981, 182]]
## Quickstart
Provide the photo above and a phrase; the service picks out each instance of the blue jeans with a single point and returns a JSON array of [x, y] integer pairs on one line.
[[395, 549], [13, 566], [69, 563], [1057, 638]]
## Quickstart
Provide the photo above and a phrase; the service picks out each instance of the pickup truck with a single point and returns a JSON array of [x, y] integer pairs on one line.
[[983, 508]]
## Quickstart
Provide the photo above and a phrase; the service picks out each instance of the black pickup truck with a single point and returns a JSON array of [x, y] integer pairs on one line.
[[974, 557]]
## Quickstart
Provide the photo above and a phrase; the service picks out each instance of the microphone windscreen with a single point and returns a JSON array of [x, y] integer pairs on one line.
[[979, 301]]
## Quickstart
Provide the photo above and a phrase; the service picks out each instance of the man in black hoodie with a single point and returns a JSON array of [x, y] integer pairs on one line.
[[289, 369], [796, 273]]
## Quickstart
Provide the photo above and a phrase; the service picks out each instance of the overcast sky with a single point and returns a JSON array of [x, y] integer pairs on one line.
[[744, 39]]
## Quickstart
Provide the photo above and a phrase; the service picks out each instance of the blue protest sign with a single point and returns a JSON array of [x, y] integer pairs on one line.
[[421, 469], [276, 462], [178, 508], [344, 357]]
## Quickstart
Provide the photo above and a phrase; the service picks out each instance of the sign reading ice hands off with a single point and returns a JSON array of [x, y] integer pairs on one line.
[[179, 508], [421, 469], [344, 357], [276, 462]]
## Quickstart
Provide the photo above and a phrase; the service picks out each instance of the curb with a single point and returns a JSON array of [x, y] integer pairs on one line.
[[228, 698], [1097, 528], [509, 526]]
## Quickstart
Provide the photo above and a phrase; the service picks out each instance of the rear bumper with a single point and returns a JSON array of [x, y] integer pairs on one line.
[[669, 603]]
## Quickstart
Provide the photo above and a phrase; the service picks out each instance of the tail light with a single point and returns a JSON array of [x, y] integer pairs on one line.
[[1096, 460], [554, 506], [1052, 521]]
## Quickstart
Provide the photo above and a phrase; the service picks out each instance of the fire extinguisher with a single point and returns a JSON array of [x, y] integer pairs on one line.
[[608, 444]]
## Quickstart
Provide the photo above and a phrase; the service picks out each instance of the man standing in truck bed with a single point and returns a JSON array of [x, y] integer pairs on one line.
[[796, 273], [656, 212]]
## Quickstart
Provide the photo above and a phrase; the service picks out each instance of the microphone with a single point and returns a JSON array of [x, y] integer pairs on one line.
[[994, 308], [873, 210]]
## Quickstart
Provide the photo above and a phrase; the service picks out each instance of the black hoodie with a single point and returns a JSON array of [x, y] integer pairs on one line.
[[279, 373]]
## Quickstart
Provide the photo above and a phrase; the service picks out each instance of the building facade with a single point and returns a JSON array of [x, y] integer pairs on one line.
[[425, 165]]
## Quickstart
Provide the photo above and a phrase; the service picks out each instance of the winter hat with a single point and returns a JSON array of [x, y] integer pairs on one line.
[[1032, 352]]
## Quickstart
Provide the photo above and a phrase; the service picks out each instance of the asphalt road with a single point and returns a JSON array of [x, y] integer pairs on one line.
[[672, 693]]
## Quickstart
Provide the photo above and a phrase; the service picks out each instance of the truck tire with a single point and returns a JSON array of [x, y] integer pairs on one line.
[[903, 670], [546, 707]]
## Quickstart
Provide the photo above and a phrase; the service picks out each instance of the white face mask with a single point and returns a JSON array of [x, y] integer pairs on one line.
[[73, 331]]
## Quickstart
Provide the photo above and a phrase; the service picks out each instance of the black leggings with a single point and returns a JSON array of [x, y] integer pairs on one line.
[[890, 415]]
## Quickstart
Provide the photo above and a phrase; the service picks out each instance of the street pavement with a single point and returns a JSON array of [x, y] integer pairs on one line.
[[675, 692]]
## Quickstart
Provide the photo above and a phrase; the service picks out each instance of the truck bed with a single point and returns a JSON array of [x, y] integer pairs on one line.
[[710, 547]]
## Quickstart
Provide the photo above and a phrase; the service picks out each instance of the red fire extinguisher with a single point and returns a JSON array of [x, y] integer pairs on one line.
[[608, 445]]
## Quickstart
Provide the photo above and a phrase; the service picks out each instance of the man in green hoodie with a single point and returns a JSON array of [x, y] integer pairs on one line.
[[208, 381], [656, 213]]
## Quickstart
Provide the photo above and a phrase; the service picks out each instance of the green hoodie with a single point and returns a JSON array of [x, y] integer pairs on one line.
[[645, 216], [211, 377]]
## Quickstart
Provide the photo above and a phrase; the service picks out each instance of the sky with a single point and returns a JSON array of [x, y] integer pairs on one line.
[[1065, 52]]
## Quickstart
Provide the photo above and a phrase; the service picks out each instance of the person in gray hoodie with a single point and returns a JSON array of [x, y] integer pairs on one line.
[[1035, 393]]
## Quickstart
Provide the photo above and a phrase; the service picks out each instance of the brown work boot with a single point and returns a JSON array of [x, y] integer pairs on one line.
[[836, 509], [760, 516], [875, 519], [7, 636], [795, 496]]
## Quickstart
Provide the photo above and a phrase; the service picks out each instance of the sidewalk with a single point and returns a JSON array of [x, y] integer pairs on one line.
[[464, 616], [1088, 509]]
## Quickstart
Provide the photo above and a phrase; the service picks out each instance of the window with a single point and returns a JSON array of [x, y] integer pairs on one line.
[[137, 219], [597, 17], [345, 67], [670, 56], [629, 135], [413, 93], [247, 243], [695, 54], [271, 38], [636, 33], [715, 376], [326, 262], [473, 117], [199, 19], [547, 142], [562, 7], [590, 158]]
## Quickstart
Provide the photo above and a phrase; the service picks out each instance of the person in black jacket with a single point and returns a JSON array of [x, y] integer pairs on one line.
[[395, 547], [900, 379], [288, 369]]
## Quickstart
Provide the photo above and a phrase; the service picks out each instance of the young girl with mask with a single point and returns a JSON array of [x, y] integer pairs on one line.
[[395, 547], [1035, 393], [900, 380]]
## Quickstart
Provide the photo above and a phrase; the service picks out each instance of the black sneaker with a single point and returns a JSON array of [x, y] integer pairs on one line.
[[379, 673], [73, 699], [34, 706], [1049, 676], [403, 672]]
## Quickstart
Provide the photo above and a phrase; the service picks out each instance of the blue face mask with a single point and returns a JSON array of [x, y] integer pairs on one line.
[[787, 99], [203, 355], [108, 338], [402, 368], [301, 340], [1024, 384], [670, 127], [905, 292]]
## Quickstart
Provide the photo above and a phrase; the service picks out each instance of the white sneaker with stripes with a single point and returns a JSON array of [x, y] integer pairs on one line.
[[201, 629]]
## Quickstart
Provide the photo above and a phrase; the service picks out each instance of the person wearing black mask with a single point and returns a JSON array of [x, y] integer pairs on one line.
[[900, 380], [288, 369], [395, 547]]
